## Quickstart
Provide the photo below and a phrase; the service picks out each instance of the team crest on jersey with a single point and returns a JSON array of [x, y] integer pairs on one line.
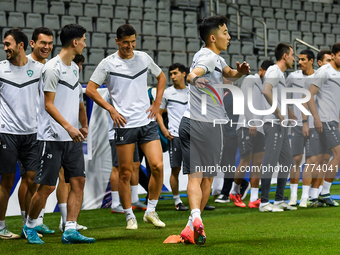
[[30, 73], [75, 72]]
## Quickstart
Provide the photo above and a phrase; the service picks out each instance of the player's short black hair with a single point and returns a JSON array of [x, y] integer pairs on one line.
[[180, 67], [70, 32], [41, 30], [322, 53], [209, 24], [309, 53], [18, 36], [336, 48], [79, 59], [125, 30], [281, 49], [266, 64]]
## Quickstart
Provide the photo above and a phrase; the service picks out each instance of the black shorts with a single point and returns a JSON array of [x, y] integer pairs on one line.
[[330, 134], [202, 146], [297, 140], [141, 135], [250, 145], [54, 155], [175, 152], [115, 156], [18, 147]]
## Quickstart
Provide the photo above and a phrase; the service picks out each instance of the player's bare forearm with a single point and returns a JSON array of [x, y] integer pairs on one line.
[[91, 92], [160, 89], [82, 115], [311, 103]]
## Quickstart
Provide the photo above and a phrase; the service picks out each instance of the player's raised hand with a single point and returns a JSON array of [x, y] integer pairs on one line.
[[243, 68]]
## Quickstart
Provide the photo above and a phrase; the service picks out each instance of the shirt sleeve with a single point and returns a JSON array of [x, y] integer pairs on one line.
[[50, 79], [100, 74], [205, 63], [319, 78], [154, 69], [273, 78]]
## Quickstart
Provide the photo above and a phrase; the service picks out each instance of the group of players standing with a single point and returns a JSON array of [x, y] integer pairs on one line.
[[41, 128]]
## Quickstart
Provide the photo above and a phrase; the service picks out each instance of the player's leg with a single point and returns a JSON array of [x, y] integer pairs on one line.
[[136, 204], [22, 192], [255, 176], [63, 190]]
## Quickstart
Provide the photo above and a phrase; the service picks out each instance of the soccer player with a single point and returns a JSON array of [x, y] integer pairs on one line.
[[251, 140], [302, 140], [125, 74], [59, 137], [202, 141], [277, 140], [175, 100], [42, 45], [325, 110], [18, 109]]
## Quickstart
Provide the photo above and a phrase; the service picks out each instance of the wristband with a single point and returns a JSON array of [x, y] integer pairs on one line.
[[304, 121], [194, 80]]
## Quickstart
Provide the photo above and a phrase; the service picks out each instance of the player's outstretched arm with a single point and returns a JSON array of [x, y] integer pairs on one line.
[[242, 69], [91, 92], [55, 114], [158, 100]]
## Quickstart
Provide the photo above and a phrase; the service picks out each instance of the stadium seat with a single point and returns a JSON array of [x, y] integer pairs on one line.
[[258, 24], [150, 4], [66, 19], [52, 21], [40, 6], [300, 16], [271, 23], [3, 55], [91, 10], [336, 8], [180, 57], [95, 56], [317, 7], [163, 28], [121, 12], [296, 5], [137, 3], [83, 1], [222, 8], [86, 22], [136, 25], [57, 8], [56, 50], [247, 48], [232, 27], [286, 4], [296, 34], [99, 40], [150, 14], [281, 24], [290, 14], [276, 3], [164, 59], [177, 29], [163, 15], [138, 44], [163, 4], [109, 2], [326, 28], [338, 38], [330, 39], [316, 27], [254, 2], [88, 71], [4, 20], [122, 3], [149, 43], [106, 11], [331, 18], [195, 3], [259, 38], [246, 9], [336, 29], [86, 56], [190, 58], [265, 3], [28, 32], [193, 45], [320, 17], [22, 5], [190, 17], [75, 9], [33, 20], [273, 37], [136, 13], [268, 13], [164, 43], [279, 14], [15, 19], [177, 16], [235, 58], [111, 42], [149, 27], [319, 39], [307, 6], [234, 47], [285, 36], [191, 30], [7, 5], [252, 61], [81, 78], [178, 44], [117, 23], [110, 52], [103, 25], [247, 23], [310, 16], [305, 26], [257, 12], [292, 25], [308, 37], [165, 70], [327, 8]]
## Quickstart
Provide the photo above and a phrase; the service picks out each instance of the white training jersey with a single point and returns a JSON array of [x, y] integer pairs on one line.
[[63, 81], [327, 79], [254, 82], [213, 66], [19, 90], [30, 57], [306, 86], [297, 80], [175, 101], [276, 78], [126, 80]]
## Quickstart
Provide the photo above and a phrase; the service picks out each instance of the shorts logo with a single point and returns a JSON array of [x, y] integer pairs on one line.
[[4, 146], [247, 137], [49, 156], [30, 73], [75, 72], [121, 138]]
